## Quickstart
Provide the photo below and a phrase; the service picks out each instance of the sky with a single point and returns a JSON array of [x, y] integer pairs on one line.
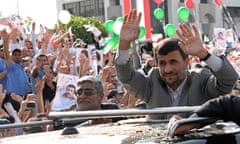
[[41, 11]]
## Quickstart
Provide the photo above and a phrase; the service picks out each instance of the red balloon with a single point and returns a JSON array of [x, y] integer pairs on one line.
[[189, 4], [158, 1], [218, 2]]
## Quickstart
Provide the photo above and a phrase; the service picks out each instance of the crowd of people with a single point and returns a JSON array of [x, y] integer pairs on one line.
[[36, 74]]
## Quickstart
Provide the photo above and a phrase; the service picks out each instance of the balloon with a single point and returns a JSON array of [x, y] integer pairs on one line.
[[158, 13], [120, 19], [169, 30], [218, 2], [115, 37], [108, 25], [142, 32], [158, 1], [117, 27], [64, 16], [183, 13], [110, 44], [189, 4]]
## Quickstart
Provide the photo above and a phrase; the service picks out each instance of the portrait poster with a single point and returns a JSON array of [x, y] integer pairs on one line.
[[65, 97], [220, 37], [219, 41], [230, 39]]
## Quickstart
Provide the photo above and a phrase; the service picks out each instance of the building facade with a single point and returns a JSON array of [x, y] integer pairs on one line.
[[205, 14]]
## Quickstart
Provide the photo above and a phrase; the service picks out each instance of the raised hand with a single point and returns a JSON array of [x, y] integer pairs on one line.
[[130, 29], [6, 36], [190, 41], [33, 26], [40, 83]]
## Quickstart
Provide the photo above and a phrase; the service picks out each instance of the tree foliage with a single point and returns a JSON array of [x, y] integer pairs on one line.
[[77, 23]]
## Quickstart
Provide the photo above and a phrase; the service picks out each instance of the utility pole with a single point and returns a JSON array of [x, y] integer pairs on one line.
[[17, 7]]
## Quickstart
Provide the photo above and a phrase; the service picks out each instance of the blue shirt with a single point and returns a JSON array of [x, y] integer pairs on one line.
[[17, 80], [3, 68]]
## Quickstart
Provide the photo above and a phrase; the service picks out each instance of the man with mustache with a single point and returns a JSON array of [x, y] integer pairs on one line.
[[171, 83], [90, 95]]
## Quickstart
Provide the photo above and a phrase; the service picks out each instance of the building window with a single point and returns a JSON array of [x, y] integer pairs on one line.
[[100, 8], [71, 8], [114, 2], [86, 8], [203, 1]]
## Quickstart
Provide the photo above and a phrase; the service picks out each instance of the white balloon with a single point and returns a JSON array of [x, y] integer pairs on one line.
[[64, 16], [117, 27]]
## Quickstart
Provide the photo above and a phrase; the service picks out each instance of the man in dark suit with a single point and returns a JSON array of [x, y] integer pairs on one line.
[[225, 108]]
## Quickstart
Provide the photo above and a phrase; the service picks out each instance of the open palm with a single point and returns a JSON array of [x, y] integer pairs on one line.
[[129, 32], [130, 28], [190, 40]]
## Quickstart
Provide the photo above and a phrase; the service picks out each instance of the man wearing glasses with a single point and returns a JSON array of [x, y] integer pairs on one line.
[[89, 97]]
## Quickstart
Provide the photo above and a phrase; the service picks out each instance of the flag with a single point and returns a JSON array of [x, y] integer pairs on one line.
[[206, 38], [15, 22], [4, 26], [91, 28]]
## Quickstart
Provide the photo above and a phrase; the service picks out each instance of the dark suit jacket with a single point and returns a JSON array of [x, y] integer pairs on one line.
[[226, 108]]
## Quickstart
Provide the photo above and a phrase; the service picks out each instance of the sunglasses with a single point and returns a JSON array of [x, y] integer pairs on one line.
[[87, 92]]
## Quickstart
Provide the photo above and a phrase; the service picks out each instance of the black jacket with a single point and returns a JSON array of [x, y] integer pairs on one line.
[[226, 108]]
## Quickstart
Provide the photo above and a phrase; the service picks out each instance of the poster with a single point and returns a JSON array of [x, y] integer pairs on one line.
[[219, 41], [65, 96]]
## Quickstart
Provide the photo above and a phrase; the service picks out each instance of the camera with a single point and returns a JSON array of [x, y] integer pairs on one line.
[[31, 104]]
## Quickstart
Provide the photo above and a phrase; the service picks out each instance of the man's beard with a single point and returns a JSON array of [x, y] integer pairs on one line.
[[176, 82]]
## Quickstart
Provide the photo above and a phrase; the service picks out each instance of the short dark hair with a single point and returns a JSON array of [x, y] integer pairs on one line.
[[16, 50], [112, 93], [85, 52], [168, 45], [41, 55], [71, 86]]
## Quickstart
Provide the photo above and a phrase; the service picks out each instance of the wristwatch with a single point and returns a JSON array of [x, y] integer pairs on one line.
[[206, 57]]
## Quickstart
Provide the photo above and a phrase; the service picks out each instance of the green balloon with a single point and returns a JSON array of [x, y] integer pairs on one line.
[[115, 37], [142, 32], [183, 13], [112, 42], [158, 13], [120, 19], [169, 30], [108, 25]]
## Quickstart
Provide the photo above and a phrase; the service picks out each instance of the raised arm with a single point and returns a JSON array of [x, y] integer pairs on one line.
[[6, 36], [39, 88], [190, 41], [130, 29], [46, 38], [33, 38]]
